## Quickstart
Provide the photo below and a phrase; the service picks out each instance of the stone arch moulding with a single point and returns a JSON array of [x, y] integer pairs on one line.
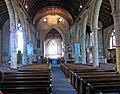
[[13, 46], [59, 30]]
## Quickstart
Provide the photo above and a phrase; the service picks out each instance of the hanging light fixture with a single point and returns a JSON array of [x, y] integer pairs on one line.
[[60, 19], [45, 20]]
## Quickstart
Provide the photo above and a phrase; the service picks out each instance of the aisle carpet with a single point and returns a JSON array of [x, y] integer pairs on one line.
[[60, 83]]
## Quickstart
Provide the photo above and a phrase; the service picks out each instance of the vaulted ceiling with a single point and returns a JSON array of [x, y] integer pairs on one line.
[[105, 14], [72, 6], [3, 13]]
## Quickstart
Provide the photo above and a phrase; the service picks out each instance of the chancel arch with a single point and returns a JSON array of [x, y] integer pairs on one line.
[[53, 44]]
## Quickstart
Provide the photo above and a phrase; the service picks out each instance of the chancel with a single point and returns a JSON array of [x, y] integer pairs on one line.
[[60, 46]]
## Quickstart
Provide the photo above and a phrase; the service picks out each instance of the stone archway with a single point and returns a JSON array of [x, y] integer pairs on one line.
[[13, 45], [53, 44]]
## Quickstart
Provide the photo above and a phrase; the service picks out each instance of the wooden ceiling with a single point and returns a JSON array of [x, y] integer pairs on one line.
[[3, 13], [105, 14], [72, 6]]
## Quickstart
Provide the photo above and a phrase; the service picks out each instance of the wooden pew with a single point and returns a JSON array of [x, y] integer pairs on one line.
[[104, 87], [66, 68], [82, 78], [74, 76], [77, 76], [25, 90], [80, 84], [74, 73], [95, 79], [27, 81]]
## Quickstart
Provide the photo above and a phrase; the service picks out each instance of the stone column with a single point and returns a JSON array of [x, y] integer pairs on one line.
[[117, 34], [0, 45], [30, 57], [13, 37], [100, 44], [83, 36], [71, 44], [83, 47], [24, 57], [77, 41], [42, 48], [95, 48], [74, 30], [95, 32]]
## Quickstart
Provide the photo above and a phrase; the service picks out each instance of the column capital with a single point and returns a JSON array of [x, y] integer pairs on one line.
[[94, 29], [116, 13]]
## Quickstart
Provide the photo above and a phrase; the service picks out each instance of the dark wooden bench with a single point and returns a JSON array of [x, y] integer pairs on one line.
[[75, 76], [83, 80], [104, 87], [22, 82], [27, 74], [25, 90], [66, 68], [84, 71]]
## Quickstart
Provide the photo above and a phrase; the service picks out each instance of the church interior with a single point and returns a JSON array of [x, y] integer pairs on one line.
[[60, 46]]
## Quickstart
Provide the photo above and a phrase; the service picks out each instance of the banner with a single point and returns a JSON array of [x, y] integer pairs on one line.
[[29, 49], [77, 49]]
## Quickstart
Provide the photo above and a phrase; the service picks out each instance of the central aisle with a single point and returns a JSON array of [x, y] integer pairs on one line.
[[60, 83]]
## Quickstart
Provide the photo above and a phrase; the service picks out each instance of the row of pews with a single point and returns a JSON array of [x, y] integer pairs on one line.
[[88, 80], [32, 79]]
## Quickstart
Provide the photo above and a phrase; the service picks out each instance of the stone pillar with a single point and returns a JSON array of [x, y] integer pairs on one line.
[[95, 31], [24, 57], [13, 37], [13, 48], [77, 41], [83, 37], [73, 33], [70, 45], [100, 44], [42, 48], [30, 57], [95, 48], [29, 33], [117, 34], [83, 49], [0, 46], [87, 49]]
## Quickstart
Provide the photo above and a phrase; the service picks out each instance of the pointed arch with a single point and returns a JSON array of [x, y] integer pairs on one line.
[[13, 46], [59, 30]]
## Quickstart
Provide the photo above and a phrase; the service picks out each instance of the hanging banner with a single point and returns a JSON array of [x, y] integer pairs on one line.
[[77, 49], [29, 49]]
